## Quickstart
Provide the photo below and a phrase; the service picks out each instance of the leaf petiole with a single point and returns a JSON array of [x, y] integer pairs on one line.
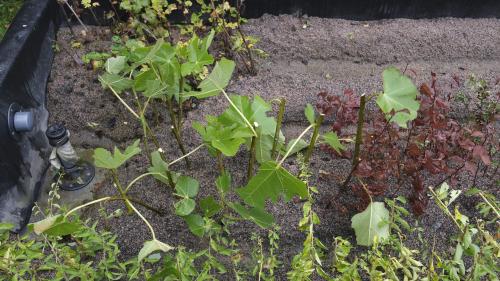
[[294, 144]]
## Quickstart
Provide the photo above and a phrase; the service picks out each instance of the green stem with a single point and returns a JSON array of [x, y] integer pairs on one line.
[[294, 144], [87, 204], [140, 177], [186, 155], [444, 208], [175, 131], [145, 138], [123, 194], [147, 206], [120, 99], [220, 162], [144, 125], [251, 159], [236, 108], [181, 109], [490, 204], [358, 141], [281, 113], [314, 138]]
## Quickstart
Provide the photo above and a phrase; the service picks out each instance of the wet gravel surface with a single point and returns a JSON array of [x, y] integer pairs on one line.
[[306, 56]]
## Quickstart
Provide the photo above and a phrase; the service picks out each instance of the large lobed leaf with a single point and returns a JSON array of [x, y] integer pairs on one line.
[[227, 138], [256, 113], [215, 82], [372, 223], [104, 159], [399, 97], [271, 182]]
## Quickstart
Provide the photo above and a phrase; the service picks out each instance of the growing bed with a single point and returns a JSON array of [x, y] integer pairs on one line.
[[307, 55]]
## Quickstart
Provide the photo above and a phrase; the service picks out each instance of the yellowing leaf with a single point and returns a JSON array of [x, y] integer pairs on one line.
[[152, 246], [371, 224], [40, 226]]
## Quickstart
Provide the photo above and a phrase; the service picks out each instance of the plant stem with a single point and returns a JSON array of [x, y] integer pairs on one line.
[[147, 206], [98, 22], [145, 138], [490, 204], [68, 21], [366, 189], [175, 131], [443, 207], [76, 15], [144, 219], [139, 178], [187, 155], [294, 144], [87, 204], [220, 162], [181, 109], [358, 141], [281, 113], [251, 159], [120, 99], [144, 125], [123, 194], [247, 47], [236, 108], [314, 138]]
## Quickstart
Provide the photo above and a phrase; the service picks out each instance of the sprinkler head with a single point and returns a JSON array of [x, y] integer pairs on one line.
[[75, 173]]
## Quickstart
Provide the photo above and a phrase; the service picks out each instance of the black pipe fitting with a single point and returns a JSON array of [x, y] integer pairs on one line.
[[75, 172]]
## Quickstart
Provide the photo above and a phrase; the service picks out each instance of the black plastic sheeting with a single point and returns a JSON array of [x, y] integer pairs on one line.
[[352, 10], [25, 61], [375, 9]]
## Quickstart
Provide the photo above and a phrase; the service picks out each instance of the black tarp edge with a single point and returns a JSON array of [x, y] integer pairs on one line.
[[26, 57]]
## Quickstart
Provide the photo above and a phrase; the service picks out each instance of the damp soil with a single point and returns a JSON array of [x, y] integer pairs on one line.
[[305, 56]]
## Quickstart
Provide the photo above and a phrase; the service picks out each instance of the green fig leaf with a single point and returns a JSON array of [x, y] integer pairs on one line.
[[399, 97], [104, 159], [271, 182]]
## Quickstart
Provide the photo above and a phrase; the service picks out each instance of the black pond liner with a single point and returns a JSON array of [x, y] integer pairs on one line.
[[25, 61], [26, 56]]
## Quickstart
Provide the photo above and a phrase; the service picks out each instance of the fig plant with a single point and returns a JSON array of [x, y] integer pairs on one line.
[[161, 72]]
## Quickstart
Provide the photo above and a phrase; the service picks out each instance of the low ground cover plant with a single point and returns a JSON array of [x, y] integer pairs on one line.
[[8, 10]]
